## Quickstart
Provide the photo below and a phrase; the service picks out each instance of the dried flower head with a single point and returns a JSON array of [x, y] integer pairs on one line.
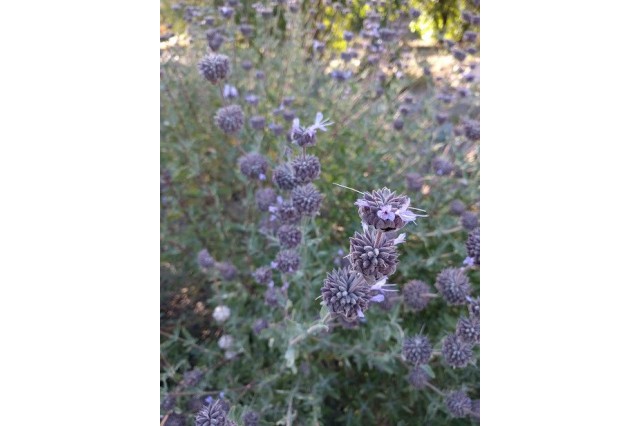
[[253, 166], [416, 295], [205, 260], [287, 261], [346, 293], [221, 313], [229, 118], [264, 198], [473, 246], [283, 177], [306, 199], [385, 210], [263, 275], [416, 349], [418, 378], [289, 236], [305, 168], [373, 254], [453, 285], [470, 221], [455, 352], [214, 67], [212, 415], [468, 330], [458, 404]]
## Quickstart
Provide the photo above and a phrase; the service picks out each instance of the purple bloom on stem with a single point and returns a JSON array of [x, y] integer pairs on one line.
[[386, 213]]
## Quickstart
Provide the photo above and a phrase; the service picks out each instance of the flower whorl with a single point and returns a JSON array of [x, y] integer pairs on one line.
[[230, 118], [346, 293], [454, 286], [373, 254], [384, 210], [212, 414], [214, 67], [416, 349]]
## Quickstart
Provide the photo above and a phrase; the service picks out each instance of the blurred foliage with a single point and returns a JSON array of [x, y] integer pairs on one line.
[[342, 376]]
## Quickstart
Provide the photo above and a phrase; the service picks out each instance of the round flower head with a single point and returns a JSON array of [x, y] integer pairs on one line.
[[373, 254], [227, 271], [263, 275], [257, 122], [442, 166], [168, 402], [287, 261], [212, 415], [272, 297], [191, 378], [225, 342], [276, 129], [385, 210], [417, 349], [260, 75], [387, 34], [283, 177], [453, 285], [253, 166], [259, 325], [229, 119], [251, 418], [470, 36], [287, 212], [215, 41], [458, 54], [474, 307], [473, 246], [418, 378], [468, 330], [398, 124], [415, 294], [306, 168], [246, 30], [457, 207], [442, 117], [306, 136], [264, 198], [472, 130], [205, 260], [246, 65], [347, 35], [346, 293], [414, 181], [214, 67], [289, 236], [176, 420], [469, 221], [458, 404], [221, 313], [306, 199], [288, 115], [455, 352]]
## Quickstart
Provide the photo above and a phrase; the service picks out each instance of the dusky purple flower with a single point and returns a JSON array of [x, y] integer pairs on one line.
[[251, 418], [470, 36], [457, 207], [306, 199], [415, 294], [467, 16], [288, 115], [473, 246], [469, 221], [229, 118], [265, 197], [214, 39], [272, 297], [252, 99], [226, 270], [283, 177], [416, 349], [302, 136], [263, 275], [287, 261], [175, 419], [276, 129], [212, 415], [305, 168], [414, 13], [345, 293], [474, 307], [468, 330], [442, 117], [318, 46], [168, 402], [229, 92], [458, 54], [475, 407], [191, 378], [373, 254], [226, 12], [472, 130], [442, 166], [472, 50], [418, 378], [347, 35], [246, 30], [214, 67], [398, 124], [257, 122], [289, 236], [340, 75], [246, 65], [205, 260], [260, 75], [286, 212], [414, 181], [455, 352], [453, 285], [221, 313], [253, 166], [386, 34], [259, 325], [385, 210], [458, 404], [288, 100]]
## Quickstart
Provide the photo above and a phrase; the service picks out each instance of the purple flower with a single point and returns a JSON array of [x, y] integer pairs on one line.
[[386, 213]]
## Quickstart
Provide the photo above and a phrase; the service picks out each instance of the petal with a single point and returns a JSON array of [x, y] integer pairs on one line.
[[377, 298], [401, 239]]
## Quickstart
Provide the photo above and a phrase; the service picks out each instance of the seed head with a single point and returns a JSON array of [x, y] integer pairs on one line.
[[212, 415], [229, 119], [264, 198], [287, 261], [346, 293], [373, 254], [415, 295], [283, 177], [253, 166], [453, 285], [263, 275], [455, 352], [305, 168], [468, 330], [289, 236], [417, 349], [385, 210], [458, 404], [473, 246], [214, 67], [306, 199], [418, 378]]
